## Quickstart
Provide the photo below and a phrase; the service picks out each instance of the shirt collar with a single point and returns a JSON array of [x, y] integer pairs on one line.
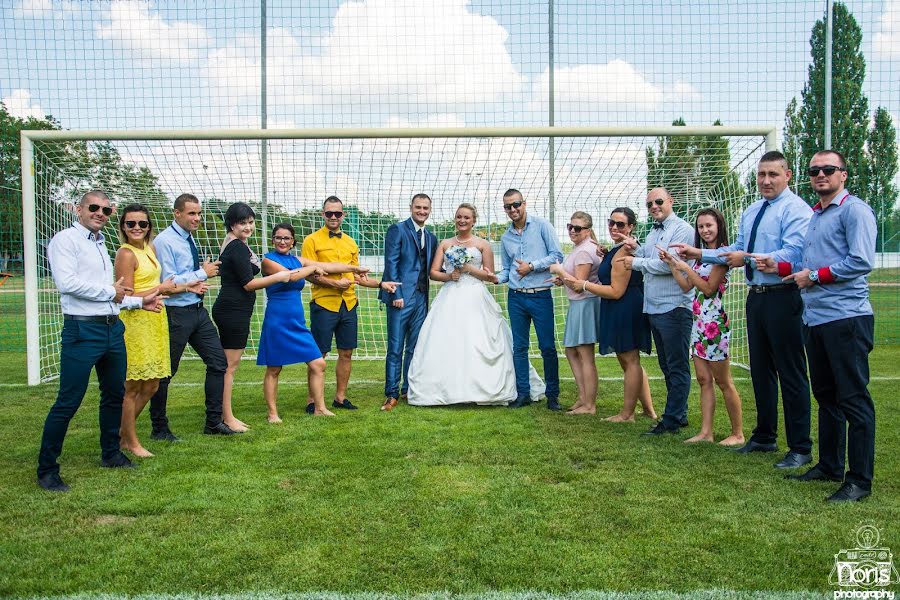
[[818, 206], [87, 233], [512, 226], [178, 229]]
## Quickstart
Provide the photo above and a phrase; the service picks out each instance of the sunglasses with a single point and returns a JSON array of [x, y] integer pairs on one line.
[[617, 224], [513, 205], [333, 214], [657, 201], [107, 210], [576, 228], [283, 238], [141, 224], [827, 169]]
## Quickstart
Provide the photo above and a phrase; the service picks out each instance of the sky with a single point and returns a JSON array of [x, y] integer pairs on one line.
[[409, 63]]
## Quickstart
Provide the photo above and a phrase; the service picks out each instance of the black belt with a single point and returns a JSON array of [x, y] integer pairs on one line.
[[195, 306], [108, 319], [775, 287]]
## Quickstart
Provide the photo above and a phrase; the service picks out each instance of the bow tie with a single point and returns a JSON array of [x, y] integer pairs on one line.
[[336, 234], [657, 226]]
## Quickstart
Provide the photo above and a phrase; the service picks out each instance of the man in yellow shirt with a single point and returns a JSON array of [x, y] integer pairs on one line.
[[332, 311]]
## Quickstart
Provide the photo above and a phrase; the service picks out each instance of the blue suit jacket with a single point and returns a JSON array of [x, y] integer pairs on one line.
[[401, 259]]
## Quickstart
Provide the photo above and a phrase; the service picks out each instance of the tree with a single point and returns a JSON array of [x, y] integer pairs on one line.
[[882, 159], [793, 131], [850, 107]]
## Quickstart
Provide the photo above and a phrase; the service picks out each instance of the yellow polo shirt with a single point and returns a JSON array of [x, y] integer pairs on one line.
[[318, 246]]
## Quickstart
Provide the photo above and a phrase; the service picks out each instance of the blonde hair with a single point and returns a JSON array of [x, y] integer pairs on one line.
[[580, 214], [468, 206]]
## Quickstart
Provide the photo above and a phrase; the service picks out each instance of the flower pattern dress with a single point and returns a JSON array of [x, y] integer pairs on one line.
[[712, 328]]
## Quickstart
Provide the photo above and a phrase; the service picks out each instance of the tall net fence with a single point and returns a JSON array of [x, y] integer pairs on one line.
[[376, 179]]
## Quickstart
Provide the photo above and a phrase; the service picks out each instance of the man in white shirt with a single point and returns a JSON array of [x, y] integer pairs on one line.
[[91, 336]]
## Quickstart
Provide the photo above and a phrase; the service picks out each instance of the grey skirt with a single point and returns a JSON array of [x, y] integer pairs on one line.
[[582, 322]]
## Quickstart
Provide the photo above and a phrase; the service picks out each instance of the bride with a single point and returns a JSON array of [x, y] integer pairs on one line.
[[464, 354]]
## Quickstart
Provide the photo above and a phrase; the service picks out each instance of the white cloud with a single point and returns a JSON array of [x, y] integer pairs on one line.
[[20, 106], [685, 91], [616, 82], [131, 25], [887, 38]]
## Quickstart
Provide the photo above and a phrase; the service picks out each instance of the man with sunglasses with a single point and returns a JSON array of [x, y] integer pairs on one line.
[[529, 246], [332, 310], [838, 325], [92, 336], [773, 226], [189, 321], [667, 306]]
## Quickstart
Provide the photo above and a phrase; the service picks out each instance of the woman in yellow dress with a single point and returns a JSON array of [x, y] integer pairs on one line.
[[147, 334]]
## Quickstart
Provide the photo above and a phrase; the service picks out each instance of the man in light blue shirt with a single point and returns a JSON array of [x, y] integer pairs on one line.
[[529, 246], [775, 226], [189, 321], [667, 306]]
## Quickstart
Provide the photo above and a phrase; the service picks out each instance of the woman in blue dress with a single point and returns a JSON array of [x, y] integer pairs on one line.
[[284, 339]]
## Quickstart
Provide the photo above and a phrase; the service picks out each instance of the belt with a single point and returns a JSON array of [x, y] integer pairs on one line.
[[530, 290], [195, 306], [108, 319], [775, 287]]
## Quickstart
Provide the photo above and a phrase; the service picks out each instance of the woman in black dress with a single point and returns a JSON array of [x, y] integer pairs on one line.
[[237, 296]]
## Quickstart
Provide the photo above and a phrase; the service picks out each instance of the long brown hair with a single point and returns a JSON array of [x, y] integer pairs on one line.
[[722, 230]]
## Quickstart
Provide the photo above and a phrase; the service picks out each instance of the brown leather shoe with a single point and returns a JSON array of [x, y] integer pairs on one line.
[[389, 404]]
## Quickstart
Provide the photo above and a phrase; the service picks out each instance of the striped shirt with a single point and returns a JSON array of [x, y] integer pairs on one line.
[[661, 292]]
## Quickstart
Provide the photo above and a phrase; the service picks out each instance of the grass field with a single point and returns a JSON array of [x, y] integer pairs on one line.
[[480, 502]]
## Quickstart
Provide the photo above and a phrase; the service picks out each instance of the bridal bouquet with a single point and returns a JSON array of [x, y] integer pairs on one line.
[[457, 256]]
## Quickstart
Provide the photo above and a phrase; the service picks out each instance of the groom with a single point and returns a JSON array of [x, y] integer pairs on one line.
[[408, 250], [529, 247]]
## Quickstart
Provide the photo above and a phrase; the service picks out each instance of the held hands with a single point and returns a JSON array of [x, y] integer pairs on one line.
[[523, 268], [765, 264], [734, 259], [167, 287], [283, 276], [342, 284], [153, 302], [211, 267], [197, 287], [454, 275], [801, 278], [121, 290]]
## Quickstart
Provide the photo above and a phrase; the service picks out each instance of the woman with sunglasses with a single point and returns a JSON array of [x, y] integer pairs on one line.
[[285, 339], [583, 317], [623, 325], [146, 333], [712, 329]]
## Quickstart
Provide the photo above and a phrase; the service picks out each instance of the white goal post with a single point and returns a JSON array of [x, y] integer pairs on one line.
[[286, 173]]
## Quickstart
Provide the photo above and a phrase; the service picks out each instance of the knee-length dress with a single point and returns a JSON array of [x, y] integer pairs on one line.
[[285, 339], [146, 333], [623, 324], [711, 333]]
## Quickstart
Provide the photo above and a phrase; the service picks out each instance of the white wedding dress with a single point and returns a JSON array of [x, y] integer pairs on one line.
[[464, 353]]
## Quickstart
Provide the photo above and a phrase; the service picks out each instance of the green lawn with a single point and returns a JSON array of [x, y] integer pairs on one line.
[[444, 501]]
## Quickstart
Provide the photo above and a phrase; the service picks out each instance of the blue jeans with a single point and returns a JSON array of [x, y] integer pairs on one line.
[[672, 337], [86, 345], [523, 310], [403, 326]]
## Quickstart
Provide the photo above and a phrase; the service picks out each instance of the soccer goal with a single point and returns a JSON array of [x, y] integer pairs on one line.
[[286, 174]]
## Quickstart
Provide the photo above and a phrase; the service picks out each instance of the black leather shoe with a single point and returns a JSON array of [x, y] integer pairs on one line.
[[164, 436], [752, 446], [814, 474], [346, 404], [660, 429], [219, 429], [849, 492], [793, 460], [520, 403], [52, 482], [553, 404], [310, 409], [118, 461]]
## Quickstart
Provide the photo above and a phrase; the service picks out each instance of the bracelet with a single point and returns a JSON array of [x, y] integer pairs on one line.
[[584, 286]]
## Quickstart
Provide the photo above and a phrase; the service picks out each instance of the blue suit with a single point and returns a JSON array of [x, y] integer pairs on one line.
[[404, 262]]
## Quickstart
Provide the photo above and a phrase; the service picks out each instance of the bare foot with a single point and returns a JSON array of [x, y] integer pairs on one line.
[[620, 419], [733, 440], [583, 410], [273, 419], [138, 451], [649, 416], [242, 424], [323, 413], [236, 426], [699, 438]]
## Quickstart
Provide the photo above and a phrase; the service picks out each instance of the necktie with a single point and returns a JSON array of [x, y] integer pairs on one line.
[[747, 270], [422, 238], [194, 254], [657, 226], [336, 234]]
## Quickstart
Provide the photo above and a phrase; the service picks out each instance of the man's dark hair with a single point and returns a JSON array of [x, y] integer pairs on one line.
[[332, 199], [841, 159], [774, 156], [512, 191], [238, 213], [183, 199], [420, 197]]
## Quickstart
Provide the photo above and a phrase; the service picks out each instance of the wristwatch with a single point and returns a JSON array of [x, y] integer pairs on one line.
[[814, 276]]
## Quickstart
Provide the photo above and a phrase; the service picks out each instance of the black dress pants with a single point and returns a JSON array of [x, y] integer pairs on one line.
[[839, 372], [775, 340]]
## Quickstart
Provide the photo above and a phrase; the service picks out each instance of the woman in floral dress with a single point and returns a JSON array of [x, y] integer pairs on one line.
[[712, 329]]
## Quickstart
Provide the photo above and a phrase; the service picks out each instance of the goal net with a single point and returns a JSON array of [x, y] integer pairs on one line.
[[286, 175]]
